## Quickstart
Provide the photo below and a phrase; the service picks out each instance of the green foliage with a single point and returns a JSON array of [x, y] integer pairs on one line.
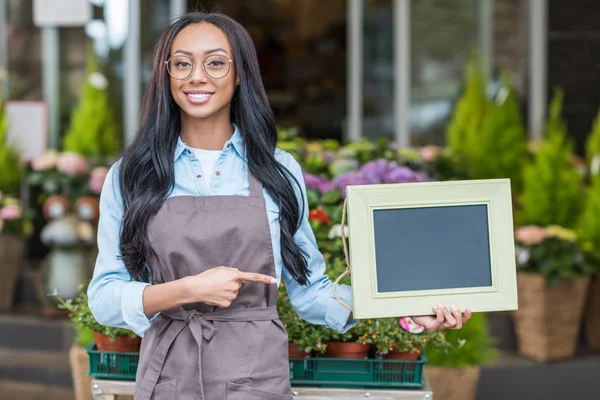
[[588, 227], [92, 131], [500, 148], [555, 254], [592, 146], [387, 335], [552, 185], [472, 345], [308, 337], [469, 113], [10, 163], [82, 318]]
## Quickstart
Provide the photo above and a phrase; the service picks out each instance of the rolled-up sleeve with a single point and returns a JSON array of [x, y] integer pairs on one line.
[[114, 298], [316, 302]]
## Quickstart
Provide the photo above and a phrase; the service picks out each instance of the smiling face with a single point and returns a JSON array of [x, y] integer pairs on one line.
[[200, 95]]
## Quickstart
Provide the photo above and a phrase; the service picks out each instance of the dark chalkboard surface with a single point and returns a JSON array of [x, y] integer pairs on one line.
[[427, 248]]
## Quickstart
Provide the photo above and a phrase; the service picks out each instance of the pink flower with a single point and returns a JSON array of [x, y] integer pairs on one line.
[[97, 178], [45, 162], [430, 153], [530, 235], [11, 212], [71, 164]]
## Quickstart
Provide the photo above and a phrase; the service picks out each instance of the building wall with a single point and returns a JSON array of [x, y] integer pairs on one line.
[[574, 62]]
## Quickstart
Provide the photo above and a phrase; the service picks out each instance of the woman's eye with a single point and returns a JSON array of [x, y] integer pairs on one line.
[[183, 64]]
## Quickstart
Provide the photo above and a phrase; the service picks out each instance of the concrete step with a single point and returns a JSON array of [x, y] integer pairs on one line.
[[28, 391], [35, 367], [35, 333]]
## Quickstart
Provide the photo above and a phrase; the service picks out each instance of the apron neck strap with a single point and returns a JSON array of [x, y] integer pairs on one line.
[[255, 186]]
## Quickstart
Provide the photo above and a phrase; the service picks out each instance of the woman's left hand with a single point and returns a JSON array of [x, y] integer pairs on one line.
[[443, 319]]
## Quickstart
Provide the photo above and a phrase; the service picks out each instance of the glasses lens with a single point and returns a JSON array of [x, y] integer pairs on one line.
[[216, 66], [180, 67]]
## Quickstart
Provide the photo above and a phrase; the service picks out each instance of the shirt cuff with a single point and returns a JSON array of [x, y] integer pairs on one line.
[[336, 315], [133, 308]]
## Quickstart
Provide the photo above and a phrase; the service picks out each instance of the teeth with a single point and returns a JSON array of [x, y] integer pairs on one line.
[[199, 95]]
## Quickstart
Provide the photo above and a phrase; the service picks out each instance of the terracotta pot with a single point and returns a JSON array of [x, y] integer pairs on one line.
[[294, 351], [121, 343], [401, 355], [347, 350], [453, 383], [548, 320], [11, 259], [79, 361]]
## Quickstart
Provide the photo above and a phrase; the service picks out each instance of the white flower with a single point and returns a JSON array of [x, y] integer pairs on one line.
[[522, 254], [98, 81], [336, 231]]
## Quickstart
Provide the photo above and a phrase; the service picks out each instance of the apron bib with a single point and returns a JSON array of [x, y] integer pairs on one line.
[[201, 352]]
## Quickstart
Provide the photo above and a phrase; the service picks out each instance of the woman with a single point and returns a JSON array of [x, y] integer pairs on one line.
[[203, 206]]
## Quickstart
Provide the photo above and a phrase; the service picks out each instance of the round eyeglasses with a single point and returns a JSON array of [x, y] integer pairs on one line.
[[215, 66]]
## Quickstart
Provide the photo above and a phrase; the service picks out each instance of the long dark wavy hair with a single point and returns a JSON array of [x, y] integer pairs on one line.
[[147, 175]]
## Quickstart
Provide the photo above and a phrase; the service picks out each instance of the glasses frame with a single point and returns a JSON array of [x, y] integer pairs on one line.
[[194, 62]]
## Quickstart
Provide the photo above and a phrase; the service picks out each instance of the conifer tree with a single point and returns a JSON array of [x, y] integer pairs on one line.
[[553, 186], [93, 131], [592, 146], [499, 150], [10, 165], [470, 111]]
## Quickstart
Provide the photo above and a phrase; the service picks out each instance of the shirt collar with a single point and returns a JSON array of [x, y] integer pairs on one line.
[[237, 141]]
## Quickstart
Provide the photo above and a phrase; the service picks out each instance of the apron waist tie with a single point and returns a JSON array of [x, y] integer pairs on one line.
[[201, 330]]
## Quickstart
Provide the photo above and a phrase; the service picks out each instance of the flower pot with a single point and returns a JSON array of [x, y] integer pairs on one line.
[[548, 319], [347, 350], [11, 256], [592, 315], [453, 383], [294, 351], [121, 343], [402, 355], [78, 359]]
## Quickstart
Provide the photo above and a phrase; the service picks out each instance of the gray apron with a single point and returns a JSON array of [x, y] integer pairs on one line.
[[201, 352]]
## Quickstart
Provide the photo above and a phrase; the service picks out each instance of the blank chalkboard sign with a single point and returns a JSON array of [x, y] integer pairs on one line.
[[413, 246]]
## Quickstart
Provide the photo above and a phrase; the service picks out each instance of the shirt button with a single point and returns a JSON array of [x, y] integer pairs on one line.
[[198, 176], [228, 145], [218, 173], [189, 152]]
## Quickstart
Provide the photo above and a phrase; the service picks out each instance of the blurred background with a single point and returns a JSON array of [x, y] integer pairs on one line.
[[419, 89]]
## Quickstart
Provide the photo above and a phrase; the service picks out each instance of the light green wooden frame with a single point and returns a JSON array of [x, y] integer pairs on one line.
[[364, 199]]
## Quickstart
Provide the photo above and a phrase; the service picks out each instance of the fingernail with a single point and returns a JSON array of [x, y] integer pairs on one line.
[[435, 308], [440, 306], [468, 310], [454, 308], [273, 281]]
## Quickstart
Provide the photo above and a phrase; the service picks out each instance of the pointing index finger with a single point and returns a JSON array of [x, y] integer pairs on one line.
[[256, 277]]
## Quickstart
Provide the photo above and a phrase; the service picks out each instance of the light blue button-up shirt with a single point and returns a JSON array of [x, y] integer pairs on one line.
[[116, 300]]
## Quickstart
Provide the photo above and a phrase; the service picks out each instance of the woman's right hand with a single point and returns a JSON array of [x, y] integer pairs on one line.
[[220, 286]]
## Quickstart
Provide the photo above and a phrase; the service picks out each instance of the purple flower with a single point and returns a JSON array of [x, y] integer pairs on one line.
[[312, 181], [350, 178], [375, 170], [401, 175]]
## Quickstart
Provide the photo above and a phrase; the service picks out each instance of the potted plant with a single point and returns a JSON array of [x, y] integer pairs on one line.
[[303, 337], [394, 343], [106, 338], [454, 371], [356, 342], [15, 225], [553, 281]]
